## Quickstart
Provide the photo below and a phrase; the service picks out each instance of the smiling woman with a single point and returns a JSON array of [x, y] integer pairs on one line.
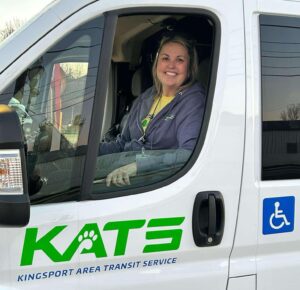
[[172, 67], [175, 93]]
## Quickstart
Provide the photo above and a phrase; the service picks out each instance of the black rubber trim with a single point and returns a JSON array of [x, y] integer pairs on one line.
[[14, 211], [99, 105]]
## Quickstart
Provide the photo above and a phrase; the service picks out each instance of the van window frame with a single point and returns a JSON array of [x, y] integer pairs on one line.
[[111, 19]]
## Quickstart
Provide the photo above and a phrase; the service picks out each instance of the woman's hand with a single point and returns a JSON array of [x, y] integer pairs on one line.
[[120, 176]]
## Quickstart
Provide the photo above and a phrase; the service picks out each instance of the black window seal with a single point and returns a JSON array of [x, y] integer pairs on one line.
[[110, 23], [101, 88]]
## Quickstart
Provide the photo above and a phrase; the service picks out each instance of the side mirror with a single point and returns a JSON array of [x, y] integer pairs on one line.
[[14, 198]]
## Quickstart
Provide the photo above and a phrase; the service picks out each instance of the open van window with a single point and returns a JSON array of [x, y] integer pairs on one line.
[[131, 156]]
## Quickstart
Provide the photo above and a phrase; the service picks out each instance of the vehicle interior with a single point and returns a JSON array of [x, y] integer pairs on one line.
[[136, 41]]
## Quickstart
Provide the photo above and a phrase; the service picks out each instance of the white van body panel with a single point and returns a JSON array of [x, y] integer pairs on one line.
[[243, 258], [278, 258], [280, 7], [195, 266], [230, 162], [273, 257], [39, 26], [245, 283]]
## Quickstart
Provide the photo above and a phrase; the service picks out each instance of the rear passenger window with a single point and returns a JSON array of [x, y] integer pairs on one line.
[[280, 87]]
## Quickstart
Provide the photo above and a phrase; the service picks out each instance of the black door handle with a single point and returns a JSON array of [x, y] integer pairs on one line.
[[208, 218]]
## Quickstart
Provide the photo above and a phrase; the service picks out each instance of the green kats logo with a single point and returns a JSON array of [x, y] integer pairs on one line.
[[156, 229]]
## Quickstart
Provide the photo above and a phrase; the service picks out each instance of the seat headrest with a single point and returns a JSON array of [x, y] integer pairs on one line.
[[136, 83], [204, 71]]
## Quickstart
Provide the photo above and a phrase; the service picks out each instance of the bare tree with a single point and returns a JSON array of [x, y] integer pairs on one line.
[[10, 27], [292, 113]]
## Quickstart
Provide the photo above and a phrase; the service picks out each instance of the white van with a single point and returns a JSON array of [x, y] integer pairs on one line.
[[225, 218]]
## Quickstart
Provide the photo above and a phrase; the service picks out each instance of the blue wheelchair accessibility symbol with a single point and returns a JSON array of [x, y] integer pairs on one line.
[[278, 215]]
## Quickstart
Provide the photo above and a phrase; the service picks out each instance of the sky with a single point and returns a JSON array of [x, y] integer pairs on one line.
[[20, 9]]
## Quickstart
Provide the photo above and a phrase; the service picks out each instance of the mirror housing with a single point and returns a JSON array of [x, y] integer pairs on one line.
[[14, 198]]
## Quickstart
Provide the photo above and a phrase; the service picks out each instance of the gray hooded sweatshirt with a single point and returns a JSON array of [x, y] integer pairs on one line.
[[175, 128]]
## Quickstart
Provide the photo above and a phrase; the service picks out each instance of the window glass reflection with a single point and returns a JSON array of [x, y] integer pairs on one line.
[[280, 69]]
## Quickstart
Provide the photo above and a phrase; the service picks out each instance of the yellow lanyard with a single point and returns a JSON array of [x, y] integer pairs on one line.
[[157, 106]]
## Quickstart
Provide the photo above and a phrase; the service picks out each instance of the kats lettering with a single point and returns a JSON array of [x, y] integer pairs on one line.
[[159, 228]]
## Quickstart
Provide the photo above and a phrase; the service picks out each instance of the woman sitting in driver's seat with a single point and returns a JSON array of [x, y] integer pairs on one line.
[[166, 116]]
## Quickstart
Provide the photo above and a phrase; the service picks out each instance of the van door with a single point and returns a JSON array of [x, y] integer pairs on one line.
[[279, 236], [272, 180], [172, 228]]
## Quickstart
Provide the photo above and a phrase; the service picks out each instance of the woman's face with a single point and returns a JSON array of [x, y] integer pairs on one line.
[[172, 67]]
